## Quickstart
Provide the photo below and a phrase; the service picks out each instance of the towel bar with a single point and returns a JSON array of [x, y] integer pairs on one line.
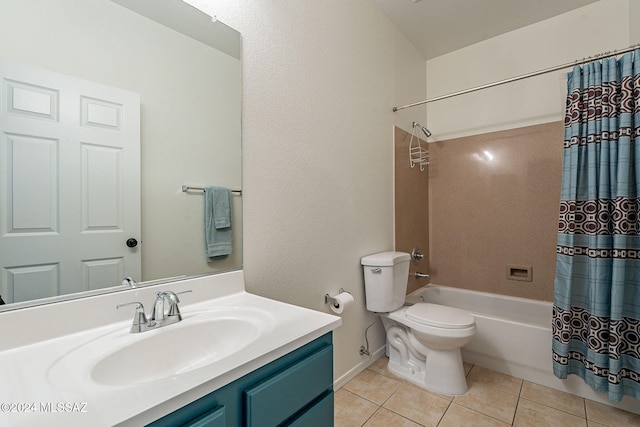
[[186, 188]]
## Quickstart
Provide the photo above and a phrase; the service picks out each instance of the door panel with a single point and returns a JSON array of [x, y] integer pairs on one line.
[[69, 184]]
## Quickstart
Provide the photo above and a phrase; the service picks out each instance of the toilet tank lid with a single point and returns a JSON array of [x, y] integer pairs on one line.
[[384, 259]]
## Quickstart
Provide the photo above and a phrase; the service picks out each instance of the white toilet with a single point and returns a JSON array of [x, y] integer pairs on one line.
[[423, 340]]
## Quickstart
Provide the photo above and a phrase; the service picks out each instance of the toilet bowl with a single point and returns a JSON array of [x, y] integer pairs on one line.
[[423, 340], [427, 351]]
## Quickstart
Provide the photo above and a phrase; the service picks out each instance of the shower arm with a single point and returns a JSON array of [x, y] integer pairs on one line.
[[424, 130]]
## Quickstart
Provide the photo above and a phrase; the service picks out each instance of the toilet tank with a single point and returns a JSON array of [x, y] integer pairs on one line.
[[385, 280]]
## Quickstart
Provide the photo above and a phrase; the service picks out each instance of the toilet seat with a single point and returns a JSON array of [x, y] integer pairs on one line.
[[440, 316]]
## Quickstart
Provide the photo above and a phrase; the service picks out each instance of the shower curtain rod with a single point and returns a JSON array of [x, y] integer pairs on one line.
[[522, 77]]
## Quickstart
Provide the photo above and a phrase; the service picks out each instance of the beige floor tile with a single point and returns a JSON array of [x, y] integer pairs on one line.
[[502, 382], [446, 397], [351, 410], [386, 418], [380, 366], [610, 416], [492, 400], [457, 416], [467, 367], [489, 400], [417, 405], [372, 386], [532, 414], [556, 399]]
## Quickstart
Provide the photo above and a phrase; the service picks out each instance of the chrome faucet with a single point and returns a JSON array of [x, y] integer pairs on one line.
[[416, 256], [128, 281], [159, 316]]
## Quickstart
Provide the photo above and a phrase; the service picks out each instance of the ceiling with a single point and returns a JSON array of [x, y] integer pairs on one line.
[[436, 27]]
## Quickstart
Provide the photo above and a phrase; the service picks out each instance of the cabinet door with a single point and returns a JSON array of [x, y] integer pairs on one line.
[[213, 418], [278, 398]]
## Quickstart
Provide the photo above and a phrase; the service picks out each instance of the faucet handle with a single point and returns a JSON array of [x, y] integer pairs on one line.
[[139, 318], [416, 256], [174, 310], [181, 292]]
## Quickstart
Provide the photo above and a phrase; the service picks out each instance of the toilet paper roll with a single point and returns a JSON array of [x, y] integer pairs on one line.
[[341, 302]]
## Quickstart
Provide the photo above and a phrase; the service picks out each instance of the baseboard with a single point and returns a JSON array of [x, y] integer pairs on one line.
[[353, 372]]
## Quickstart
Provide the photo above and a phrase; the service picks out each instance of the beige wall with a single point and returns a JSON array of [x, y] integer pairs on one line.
[[494, 202], [411, 204], [634, 16], [320, 81], [483, 203]]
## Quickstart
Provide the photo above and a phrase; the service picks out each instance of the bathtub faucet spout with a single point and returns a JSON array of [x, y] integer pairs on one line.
[[421, 276]]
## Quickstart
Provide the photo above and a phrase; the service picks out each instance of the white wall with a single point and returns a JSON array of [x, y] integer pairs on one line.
[[587, 31], [320, 79]]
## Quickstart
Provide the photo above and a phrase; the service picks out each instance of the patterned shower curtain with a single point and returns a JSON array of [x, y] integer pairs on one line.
[[596, 312]]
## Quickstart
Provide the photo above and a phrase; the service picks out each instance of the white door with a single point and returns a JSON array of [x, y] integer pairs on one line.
[[69, 184]]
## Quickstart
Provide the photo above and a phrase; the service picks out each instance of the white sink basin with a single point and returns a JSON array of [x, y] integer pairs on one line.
[[119, 358]]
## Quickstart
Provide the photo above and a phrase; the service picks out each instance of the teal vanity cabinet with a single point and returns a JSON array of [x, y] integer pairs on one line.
[[294, 390]]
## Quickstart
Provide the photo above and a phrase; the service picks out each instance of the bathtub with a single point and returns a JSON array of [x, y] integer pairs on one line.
[[513, 337]]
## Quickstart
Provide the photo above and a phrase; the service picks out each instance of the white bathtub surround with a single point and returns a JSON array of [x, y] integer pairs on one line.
[[40, 369], [513, 337]]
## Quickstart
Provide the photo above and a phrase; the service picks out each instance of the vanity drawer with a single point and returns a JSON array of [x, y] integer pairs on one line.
[[213, 418], [319, 415], [282, 395]]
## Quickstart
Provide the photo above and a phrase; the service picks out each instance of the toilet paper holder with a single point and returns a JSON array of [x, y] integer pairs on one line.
[[329, 299]]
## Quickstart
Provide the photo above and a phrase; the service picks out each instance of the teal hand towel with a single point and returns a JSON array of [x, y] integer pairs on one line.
[[217, 221]]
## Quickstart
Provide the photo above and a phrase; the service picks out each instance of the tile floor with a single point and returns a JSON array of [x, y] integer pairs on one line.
[[376, 398]]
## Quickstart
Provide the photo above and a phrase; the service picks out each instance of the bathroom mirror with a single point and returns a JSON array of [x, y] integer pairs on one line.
[[180, 76]]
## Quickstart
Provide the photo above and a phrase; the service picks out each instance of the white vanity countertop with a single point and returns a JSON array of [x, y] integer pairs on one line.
[[34, 390]]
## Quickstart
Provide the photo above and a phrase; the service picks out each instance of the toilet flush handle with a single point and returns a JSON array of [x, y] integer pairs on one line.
[[376, 270]]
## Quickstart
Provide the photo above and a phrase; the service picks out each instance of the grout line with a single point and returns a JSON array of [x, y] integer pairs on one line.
[[551, 407], [371, 416], [403, 416], [480, 413], [445, 412], [361, 397], [513, 420]]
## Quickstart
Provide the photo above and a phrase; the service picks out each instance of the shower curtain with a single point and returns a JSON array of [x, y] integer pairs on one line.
[[596, 312]]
